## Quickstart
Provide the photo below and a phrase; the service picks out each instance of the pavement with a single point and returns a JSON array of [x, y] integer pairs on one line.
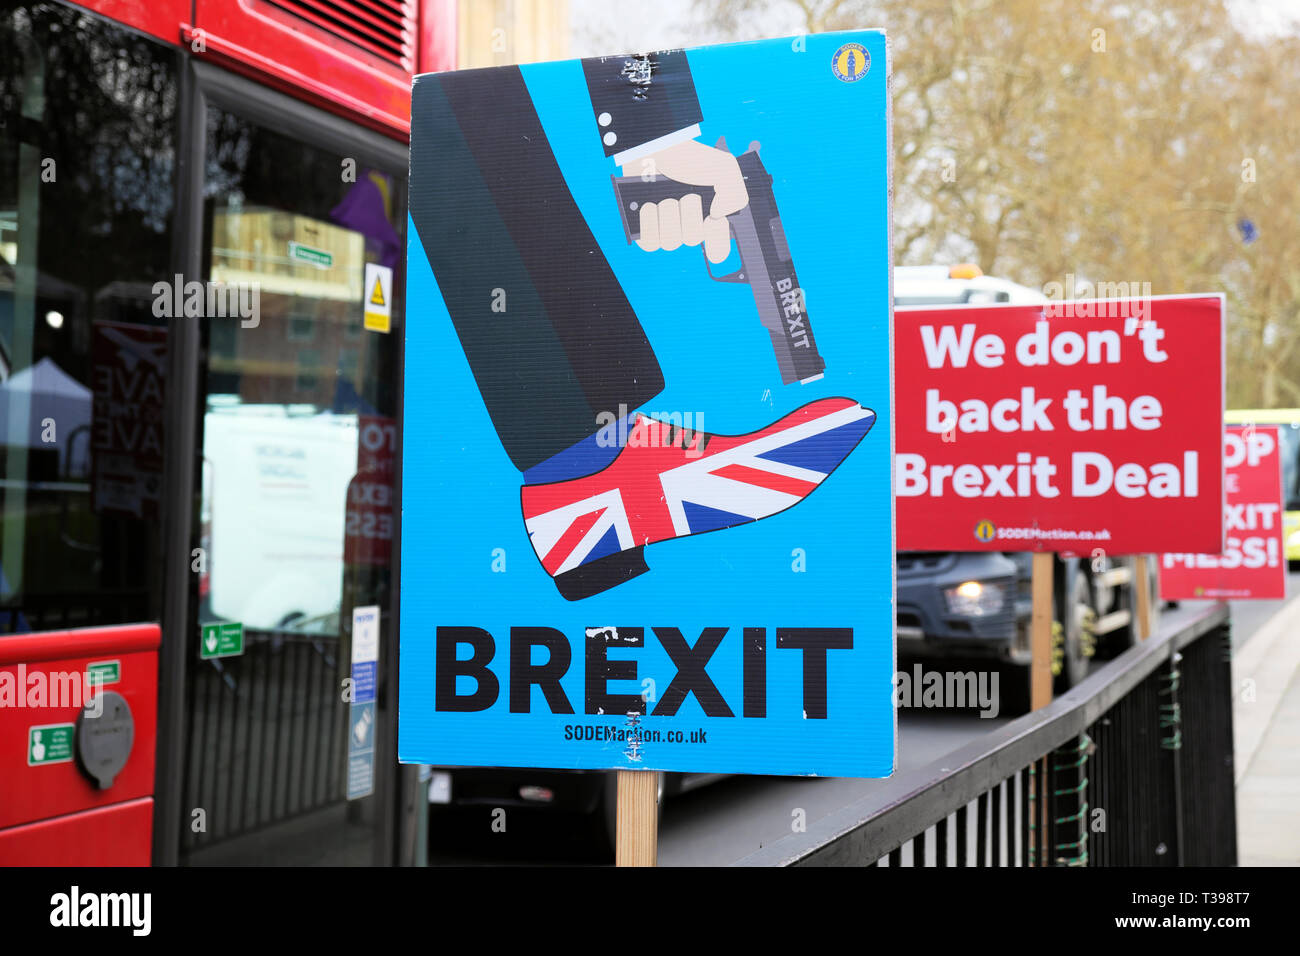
[[1266, 728]]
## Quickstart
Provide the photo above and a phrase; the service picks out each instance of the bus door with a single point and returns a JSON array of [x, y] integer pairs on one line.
[[290, 696]]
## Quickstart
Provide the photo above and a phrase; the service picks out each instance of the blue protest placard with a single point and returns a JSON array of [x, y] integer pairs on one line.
[[647, 488]]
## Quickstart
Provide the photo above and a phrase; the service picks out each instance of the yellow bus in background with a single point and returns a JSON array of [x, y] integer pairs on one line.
[[1288, 422]]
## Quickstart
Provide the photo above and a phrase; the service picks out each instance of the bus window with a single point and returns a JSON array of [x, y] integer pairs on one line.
[[87, 159]]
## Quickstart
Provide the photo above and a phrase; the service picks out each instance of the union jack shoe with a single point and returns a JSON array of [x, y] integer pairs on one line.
[[668, 482]]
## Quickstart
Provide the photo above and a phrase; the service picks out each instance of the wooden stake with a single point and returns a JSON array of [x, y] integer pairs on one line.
[[1142, 587], [637, 843], [1040, 632]]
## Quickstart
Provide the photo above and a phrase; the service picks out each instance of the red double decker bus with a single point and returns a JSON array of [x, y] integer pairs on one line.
[[202, 235]]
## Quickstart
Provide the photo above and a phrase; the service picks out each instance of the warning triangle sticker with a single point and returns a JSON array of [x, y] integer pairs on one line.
[[377, 297]]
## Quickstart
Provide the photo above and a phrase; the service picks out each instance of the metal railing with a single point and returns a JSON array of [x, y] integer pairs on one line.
[[267, 735], [1134, 767]]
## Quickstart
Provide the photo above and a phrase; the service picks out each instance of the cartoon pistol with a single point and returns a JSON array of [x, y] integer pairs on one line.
[[764, 258]]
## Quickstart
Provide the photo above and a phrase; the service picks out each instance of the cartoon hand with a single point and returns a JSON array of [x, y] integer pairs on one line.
[[668, 224]]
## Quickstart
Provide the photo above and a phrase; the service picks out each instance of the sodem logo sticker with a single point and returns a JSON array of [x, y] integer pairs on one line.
[[984, 531], [850, 62]]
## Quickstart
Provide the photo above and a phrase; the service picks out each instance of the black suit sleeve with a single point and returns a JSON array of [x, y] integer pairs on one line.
[[640, 98], [493, 212]]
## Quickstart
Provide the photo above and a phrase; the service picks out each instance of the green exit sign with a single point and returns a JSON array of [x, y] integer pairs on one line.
[[316, 257], [104, 672], [221, 640], [49, 743]]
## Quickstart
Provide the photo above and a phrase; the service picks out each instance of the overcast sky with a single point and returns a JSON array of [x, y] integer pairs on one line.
[[602, 27]]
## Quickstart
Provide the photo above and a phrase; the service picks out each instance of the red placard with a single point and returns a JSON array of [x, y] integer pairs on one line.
[[1069, 426], [1253, 563]]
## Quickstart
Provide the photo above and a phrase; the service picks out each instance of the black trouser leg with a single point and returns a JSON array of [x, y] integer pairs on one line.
[[494, 213]]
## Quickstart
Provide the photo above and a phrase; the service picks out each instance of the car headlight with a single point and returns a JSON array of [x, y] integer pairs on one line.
[[975, 598]]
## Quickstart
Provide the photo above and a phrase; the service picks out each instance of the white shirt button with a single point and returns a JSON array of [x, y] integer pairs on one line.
[[610, 139], [604, 119]]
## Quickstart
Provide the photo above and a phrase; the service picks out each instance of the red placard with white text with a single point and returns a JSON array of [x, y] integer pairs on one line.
[[1069, 426], [1253, 563]]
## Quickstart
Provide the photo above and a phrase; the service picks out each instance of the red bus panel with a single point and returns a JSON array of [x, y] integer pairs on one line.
[[159, 18], [41, 669], [352, 57], [117, 835]]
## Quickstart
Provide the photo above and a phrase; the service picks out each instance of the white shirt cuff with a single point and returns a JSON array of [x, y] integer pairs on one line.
[[655, 145]]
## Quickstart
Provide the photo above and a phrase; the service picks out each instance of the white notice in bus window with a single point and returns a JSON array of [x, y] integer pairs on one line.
[[365, 634]]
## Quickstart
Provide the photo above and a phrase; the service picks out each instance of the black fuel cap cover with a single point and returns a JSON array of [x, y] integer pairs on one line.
[[105, 733]]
